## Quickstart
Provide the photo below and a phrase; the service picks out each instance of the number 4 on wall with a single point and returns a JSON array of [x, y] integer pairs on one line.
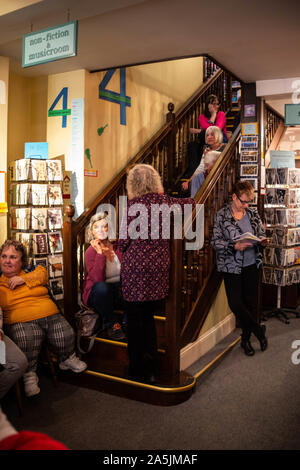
[[113, 97], [64, 112]]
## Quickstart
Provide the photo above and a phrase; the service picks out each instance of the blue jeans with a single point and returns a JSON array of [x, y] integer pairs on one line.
[[104, 298]]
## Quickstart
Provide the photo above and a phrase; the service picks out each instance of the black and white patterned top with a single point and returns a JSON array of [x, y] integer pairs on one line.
[[225, 230]]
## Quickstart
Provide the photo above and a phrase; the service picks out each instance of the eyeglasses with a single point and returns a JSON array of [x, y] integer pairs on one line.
[[244, 202]]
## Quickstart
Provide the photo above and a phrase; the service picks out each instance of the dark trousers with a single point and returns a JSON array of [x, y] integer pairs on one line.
[[141, 337], [104, 298], [242, 295]]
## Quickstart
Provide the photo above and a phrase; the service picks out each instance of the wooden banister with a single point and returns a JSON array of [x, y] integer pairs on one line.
[[190, 270]]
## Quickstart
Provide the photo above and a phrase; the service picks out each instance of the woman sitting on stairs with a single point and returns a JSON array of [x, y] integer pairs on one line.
[[30, 316], [101, 288]]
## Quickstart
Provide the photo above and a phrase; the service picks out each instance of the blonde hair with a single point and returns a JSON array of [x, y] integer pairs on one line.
[[216, 131], [89, 231], [143, 179]]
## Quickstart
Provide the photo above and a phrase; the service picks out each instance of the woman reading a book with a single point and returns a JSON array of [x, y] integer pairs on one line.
[[101, 288], [30, 316], [238, 238]]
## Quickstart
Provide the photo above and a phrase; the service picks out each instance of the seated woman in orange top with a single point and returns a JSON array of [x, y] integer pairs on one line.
[[30, 316]]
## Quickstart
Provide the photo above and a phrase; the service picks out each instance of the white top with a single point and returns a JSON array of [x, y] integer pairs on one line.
[[200, 168], [113, 270]]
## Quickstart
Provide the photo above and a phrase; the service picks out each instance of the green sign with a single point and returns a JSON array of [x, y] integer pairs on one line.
[[50, 44], [292, 115]]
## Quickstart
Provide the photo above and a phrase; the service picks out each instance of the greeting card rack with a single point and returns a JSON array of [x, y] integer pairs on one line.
[[249, 168], [36, 215], [282, 217]]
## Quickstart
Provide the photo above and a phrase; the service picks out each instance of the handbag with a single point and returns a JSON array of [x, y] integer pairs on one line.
[[88, 324]]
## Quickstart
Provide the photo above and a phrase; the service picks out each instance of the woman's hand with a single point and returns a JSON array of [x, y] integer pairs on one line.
[[108, 251], [185, 185], [241, 246], [15, 281], [213, 109], [264, 241]]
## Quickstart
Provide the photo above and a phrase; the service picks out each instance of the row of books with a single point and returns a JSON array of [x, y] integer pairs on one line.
[[285, 217], [36, 194], [281, 256], [283, 236], [40, 243], [282, 197], [36, 170], [281, 276], [283, 176], [39, 218]]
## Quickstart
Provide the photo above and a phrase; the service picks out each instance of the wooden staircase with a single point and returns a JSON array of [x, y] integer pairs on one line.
[[194, 280]]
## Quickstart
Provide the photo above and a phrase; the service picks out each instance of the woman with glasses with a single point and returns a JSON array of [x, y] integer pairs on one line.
[[240, 261], [212, 116]]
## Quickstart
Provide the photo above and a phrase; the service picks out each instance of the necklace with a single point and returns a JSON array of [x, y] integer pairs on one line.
[[238, 215]]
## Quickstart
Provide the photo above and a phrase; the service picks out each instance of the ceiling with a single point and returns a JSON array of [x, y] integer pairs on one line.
[[257, 40]]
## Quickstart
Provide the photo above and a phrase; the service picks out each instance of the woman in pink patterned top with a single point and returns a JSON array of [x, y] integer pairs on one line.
[[145, 265]]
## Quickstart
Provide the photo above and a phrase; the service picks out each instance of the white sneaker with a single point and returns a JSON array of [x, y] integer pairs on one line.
[[73, 363], [31, 387]]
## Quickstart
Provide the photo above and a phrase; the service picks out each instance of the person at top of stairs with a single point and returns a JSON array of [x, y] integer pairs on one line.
[[212, 116]]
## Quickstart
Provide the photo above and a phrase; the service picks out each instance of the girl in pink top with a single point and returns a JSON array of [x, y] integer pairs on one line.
[[212, 117]]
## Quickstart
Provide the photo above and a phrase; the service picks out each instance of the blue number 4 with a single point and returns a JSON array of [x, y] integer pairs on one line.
[[64, 112], [113, 97]]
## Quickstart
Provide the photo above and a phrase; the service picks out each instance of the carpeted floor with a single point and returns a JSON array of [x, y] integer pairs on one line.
[[242, 403]]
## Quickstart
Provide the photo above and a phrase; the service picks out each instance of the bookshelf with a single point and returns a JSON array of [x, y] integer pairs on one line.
[[36, 217]]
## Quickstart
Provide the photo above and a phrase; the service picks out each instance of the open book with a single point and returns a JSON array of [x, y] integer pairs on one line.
[[249, 237]]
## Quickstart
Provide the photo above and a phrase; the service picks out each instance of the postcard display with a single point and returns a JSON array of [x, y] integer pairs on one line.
[[36, 215], [282, 216], [249, 169]]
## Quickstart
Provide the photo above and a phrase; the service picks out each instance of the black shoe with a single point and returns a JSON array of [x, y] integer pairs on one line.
[[262, 338], [247, 347]]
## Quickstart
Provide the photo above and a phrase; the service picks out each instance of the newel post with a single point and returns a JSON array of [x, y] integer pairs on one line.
[[173, 314], [70, 265], [171, 146]]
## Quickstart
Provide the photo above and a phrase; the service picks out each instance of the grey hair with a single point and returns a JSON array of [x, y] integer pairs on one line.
[[216, 132], [143, 179], [95, 218]]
